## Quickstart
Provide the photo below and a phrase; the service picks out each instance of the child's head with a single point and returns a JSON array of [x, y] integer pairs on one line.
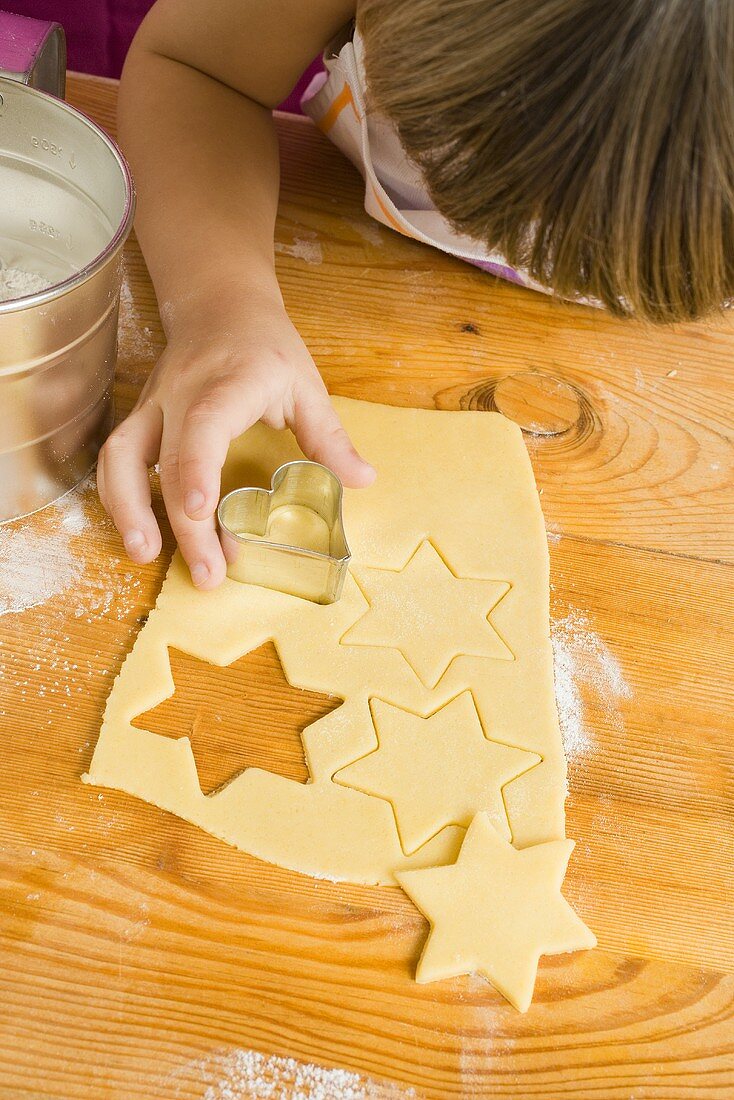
[[591, 141]]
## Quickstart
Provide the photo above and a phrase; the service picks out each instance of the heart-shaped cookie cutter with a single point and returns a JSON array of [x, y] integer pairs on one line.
[[299, 490]]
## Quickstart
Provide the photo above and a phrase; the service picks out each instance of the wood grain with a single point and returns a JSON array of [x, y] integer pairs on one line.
[[154, 994], [243, 715], [137, 953]]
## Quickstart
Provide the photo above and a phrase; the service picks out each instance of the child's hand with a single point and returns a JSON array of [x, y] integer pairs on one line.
[[207, 388]]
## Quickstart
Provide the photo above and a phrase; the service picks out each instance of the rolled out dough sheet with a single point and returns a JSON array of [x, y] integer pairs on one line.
[[456, 486]]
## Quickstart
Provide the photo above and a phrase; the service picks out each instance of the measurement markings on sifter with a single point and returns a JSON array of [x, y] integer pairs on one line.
[[47, 230], [47, 146]]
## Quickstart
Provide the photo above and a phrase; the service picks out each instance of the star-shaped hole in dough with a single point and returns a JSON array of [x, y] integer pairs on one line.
[[429, 614], [436, 771], [496, 911], [238, 716]]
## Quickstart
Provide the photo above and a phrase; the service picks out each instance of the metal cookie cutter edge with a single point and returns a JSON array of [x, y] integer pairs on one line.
[[309, 574]]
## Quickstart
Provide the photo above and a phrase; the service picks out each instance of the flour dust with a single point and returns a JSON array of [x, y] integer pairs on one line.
[[136, 339], [306, 248], [580, 657], [37, 556], [242, 1074], [43, 557], [16, 282]]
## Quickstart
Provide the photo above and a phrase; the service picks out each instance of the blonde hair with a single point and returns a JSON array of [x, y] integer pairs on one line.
[[590, 141]]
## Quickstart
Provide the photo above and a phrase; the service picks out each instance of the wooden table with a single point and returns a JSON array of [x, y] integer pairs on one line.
[[138, 955]]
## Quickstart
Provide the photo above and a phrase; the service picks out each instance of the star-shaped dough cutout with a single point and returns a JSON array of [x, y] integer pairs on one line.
[[238, 716], [496, 911], [436, 771], [429, 614]]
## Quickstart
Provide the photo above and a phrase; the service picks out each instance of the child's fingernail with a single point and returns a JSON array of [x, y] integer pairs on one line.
[[193, 501], [134, 540], [199, 572]]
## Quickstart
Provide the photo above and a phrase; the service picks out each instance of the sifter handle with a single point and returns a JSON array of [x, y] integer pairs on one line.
[[33, 52]]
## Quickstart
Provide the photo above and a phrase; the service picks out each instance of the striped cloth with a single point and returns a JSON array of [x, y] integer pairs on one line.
[[395, 193]]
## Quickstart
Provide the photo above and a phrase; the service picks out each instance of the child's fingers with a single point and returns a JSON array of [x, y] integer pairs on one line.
[[197, 539], [209, 426], [124, 485], [322, 438]]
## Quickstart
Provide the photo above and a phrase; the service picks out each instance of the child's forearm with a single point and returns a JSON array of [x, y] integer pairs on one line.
[[195, 121], [205, 161]]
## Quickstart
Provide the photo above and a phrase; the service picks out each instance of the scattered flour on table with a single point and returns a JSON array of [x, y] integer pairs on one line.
[[249, 1075], [17, 283], [135, 337], [303, 248], [581, 657], [41, 557], [367, 229], [46, 556], [38, 562]]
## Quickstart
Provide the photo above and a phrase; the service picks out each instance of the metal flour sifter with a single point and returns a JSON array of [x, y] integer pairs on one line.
[[66, 209]]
